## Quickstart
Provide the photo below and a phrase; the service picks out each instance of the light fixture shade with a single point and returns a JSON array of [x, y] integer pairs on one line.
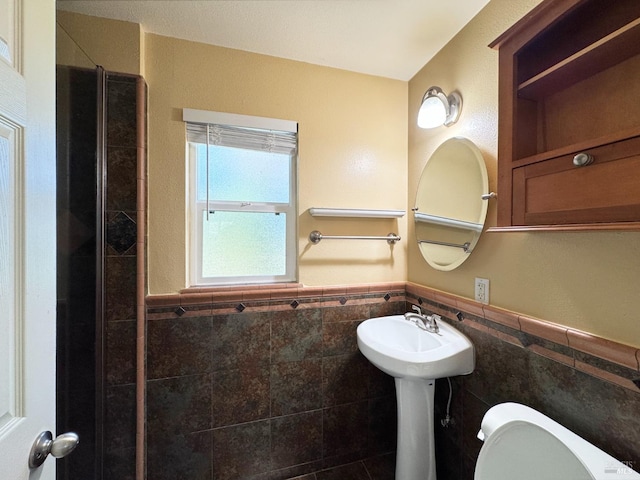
[[433, 112], [438, 109]]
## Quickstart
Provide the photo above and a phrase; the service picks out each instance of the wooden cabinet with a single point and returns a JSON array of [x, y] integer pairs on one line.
[[569, 84]]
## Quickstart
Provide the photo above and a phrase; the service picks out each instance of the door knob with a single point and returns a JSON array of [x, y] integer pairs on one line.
[[45, 444]]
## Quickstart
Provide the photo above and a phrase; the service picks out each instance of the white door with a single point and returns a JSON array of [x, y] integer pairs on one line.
[[27, 233]]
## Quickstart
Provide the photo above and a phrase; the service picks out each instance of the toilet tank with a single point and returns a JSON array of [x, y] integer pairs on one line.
[[522, 443]]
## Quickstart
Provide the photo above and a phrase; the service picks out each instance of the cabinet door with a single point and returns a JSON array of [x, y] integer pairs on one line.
[[555, 191]]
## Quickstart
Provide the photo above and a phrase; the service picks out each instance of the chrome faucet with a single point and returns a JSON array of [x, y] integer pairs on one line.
[[431, 324], [428, 323]]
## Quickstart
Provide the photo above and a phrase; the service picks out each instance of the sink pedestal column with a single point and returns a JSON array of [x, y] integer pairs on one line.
[[415, 456]]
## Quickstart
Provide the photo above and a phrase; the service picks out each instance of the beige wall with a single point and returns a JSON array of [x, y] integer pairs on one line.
[[68, 51], [84, 41], [587, 281], [352, 153]]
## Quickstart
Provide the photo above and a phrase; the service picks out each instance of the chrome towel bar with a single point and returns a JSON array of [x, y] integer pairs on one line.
[[316, 236], [465, 246]]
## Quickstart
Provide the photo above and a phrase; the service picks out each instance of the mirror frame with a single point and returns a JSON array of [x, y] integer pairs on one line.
[[445, 236]]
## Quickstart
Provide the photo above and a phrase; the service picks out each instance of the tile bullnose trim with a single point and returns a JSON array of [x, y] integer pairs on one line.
[[154, 301], [470, 306], [618, 353], [502, 316], [614, 352], [421, 291], [547, 330]]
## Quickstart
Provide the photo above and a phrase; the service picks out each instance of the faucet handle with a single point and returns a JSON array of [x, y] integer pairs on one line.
[[432, 323], [416, 309]]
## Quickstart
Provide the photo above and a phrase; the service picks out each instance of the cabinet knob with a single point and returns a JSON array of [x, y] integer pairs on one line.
[[582, 159]]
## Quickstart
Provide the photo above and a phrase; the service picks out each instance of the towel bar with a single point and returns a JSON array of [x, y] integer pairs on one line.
[[316, 236], [465, 246]]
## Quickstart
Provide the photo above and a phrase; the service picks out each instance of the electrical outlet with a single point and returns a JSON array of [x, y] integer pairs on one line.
[[482, 290]]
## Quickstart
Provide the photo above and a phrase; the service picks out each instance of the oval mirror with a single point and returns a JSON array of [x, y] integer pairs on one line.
[[449, 211]]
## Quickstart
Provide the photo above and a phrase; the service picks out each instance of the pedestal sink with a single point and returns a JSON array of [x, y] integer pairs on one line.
[[415, 357]]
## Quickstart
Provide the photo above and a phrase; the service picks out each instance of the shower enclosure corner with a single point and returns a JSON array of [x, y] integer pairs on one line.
[[98, 245]]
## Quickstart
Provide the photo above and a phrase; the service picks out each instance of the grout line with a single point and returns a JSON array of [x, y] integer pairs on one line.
[[366, 470]]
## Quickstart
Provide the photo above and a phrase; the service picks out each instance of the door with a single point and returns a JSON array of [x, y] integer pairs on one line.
[[27, 233]]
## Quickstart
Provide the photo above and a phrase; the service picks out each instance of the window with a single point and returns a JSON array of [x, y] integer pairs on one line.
[[242, 198]]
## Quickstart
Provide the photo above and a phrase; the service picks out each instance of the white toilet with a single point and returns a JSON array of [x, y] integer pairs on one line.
[[521, 443]]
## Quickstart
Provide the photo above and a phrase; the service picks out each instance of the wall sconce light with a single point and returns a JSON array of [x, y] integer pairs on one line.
[[438, 109]]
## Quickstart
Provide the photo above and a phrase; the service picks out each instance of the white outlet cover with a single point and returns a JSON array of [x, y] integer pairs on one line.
[[482, 290]]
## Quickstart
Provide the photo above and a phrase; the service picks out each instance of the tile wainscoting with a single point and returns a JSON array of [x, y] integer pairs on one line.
[[267, 383], [584, 382]]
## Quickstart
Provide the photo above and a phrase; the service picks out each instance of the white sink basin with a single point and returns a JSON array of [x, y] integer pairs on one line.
[[401, 349], [415, 357]]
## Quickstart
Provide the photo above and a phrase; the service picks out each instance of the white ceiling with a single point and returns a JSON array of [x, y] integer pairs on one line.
[[388, 38]]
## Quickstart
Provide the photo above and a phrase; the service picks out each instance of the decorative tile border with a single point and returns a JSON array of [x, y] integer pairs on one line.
[[596, 356], [220, 301], [607, 360]]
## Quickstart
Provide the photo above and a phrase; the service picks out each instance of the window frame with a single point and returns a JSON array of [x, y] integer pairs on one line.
[[196, 209]]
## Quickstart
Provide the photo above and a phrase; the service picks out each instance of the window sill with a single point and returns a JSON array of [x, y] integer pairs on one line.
[[241, 287]]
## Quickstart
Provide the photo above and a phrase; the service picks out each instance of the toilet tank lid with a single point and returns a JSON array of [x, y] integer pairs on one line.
[[591, 456]]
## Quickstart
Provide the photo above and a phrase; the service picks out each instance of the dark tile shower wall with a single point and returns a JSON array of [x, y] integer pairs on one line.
[[90, 386], [273, 392], [120, 277]]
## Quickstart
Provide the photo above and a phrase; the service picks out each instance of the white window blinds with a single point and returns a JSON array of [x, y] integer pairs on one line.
[[241, 131], [241, 137]]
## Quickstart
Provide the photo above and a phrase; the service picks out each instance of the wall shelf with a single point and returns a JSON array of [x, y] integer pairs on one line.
[[601, 55], [355, 213], [448, 222]]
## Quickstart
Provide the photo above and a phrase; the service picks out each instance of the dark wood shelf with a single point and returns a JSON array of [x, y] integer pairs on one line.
[[597, 57]]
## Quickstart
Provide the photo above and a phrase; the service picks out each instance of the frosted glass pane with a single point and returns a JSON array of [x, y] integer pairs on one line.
[[7, 318], [4, 50], [237, 175], [243, 244]]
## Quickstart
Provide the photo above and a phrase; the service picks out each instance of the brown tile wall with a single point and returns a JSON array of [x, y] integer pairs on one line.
[[259, 383], [583, 382], [121, 276], [267, 387]]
